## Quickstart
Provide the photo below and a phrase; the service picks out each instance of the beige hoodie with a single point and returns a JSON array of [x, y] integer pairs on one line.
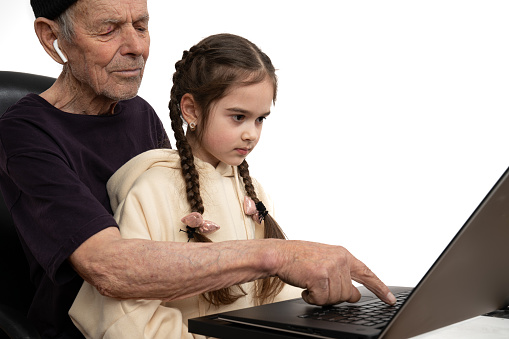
[[147, 197]]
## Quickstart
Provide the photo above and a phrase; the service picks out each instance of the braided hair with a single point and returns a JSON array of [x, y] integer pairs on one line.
[[206, 72]]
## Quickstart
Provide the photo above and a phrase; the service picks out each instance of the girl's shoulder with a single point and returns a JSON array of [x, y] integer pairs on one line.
[[140, 166], [160, 157]]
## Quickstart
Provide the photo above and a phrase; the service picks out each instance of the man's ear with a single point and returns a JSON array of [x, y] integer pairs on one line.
[[47, 33], [189, 108]]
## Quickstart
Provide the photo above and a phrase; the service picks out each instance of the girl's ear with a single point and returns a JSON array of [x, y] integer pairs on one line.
[[189, 108]]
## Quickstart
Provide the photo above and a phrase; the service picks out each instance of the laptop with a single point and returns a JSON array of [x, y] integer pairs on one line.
[[469, 278]]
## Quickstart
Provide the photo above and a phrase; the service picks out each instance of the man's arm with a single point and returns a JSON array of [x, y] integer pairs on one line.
[[136, 268]]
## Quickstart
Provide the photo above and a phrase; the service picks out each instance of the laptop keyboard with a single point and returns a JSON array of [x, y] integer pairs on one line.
[[371, 314]]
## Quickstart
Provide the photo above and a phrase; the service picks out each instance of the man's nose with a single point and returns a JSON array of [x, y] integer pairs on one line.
[[134, 42]]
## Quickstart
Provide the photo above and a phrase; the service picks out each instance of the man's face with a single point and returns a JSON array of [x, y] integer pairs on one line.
[[111, 45]]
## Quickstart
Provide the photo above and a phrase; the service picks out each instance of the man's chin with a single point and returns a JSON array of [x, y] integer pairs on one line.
[[122, 94], [126, 97], [123, 88]]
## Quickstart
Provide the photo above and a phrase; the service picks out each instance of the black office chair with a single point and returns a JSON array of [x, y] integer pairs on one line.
[[16, 290]]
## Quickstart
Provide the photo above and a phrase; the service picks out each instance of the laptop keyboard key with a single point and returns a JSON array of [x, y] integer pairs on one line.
[[372, 314]]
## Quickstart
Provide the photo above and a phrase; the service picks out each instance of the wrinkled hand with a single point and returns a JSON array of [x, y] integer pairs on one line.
[[326, 273]]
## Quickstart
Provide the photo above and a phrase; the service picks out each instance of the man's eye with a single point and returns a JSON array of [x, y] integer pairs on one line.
[[107, 30], [107, 33]]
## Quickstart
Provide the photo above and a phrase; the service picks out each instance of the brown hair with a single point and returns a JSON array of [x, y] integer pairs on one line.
[[207, 71]]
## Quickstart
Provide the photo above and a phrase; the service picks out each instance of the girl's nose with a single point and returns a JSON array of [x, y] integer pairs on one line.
[[250, 134]]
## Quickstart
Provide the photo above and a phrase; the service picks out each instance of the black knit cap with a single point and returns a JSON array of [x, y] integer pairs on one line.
[[50, 9]]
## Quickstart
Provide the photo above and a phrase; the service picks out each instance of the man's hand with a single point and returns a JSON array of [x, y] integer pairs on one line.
[[146, 269], [326, 273]]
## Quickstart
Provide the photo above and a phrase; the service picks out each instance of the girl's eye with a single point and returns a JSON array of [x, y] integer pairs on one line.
[[261, 119], [238, 117]]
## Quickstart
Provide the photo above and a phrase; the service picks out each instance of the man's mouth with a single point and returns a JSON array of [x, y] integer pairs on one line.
[[129, 72]]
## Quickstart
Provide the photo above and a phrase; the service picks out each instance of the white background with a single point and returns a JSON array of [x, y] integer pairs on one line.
[[391, 120]]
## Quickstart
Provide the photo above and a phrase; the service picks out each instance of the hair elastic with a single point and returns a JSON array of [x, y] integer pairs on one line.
[[195, 223], [262, 211], [257, 211]]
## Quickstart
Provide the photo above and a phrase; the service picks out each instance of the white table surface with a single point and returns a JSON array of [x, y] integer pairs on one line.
[[477, 327]]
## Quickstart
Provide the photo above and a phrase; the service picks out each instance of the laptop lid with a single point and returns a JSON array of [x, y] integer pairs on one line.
[[470, 277]]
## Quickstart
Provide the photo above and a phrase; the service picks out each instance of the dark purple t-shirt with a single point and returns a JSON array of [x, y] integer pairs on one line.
[[53, 172]]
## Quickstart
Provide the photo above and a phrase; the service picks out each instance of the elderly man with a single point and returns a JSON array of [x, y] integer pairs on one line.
[[57, 151]]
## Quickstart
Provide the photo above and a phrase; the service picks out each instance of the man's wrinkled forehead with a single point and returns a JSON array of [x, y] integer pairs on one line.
[[95, 12]]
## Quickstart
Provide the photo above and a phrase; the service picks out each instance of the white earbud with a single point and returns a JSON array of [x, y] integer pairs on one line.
[[59, 52]]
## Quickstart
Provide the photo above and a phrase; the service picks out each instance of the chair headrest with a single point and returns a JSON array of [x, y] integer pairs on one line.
[[15, 85]]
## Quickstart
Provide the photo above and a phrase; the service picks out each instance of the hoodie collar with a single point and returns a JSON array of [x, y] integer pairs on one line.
[[123, 179]]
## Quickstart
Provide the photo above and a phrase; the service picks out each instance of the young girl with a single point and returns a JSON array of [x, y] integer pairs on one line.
[[223, 90]]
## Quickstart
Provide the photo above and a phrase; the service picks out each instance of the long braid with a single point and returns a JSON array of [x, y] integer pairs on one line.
[[191, 176], [268, 288], [223, 296]]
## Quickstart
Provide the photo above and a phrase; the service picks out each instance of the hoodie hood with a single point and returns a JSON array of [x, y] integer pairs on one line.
[[123, 179]]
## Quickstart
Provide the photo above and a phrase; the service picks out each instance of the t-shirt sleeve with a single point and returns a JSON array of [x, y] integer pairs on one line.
[[53, 209]]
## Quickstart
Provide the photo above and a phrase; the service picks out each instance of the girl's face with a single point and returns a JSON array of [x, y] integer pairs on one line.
[[235, 124]]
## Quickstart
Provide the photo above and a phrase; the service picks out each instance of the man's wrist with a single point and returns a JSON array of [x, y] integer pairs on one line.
[[271, 256]]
